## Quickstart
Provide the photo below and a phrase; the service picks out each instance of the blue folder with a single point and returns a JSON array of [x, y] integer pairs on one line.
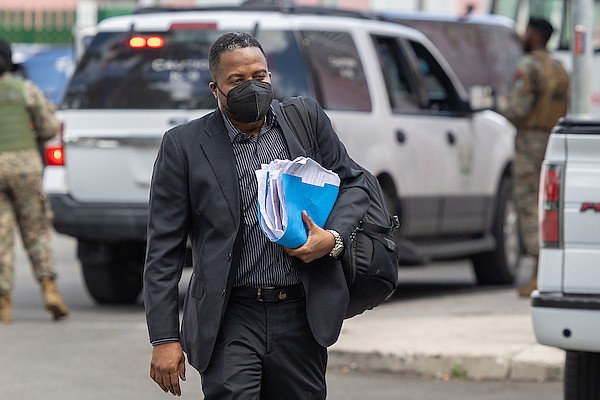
[[317, 201]]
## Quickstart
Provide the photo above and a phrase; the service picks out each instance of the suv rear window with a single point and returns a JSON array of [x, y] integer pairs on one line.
[[115, 75], [175, 75]]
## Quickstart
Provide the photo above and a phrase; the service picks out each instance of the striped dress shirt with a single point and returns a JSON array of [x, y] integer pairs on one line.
[[262, 263]]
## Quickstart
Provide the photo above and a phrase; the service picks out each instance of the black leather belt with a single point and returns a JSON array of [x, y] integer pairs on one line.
[[270, 294]]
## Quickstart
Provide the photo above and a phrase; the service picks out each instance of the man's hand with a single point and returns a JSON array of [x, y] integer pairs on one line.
[[319, 243], [167, 366]]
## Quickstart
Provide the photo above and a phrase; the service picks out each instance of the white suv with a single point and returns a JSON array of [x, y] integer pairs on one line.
[[393, 100]]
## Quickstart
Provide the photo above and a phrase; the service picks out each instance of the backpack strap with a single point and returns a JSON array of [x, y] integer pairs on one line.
[[296, 115]]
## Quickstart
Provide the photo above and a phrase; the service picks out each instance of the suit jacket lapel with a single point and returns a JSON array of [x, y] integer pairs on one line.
[[218, 150]]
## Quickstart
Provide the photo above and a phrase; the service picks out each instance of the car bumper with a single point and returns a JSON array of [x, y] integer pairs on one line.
[[567, 322], [99, 222]]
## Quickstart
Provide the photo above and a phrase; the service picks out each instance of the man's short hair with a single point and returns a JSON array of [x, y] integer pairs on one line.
[[229, 42], [541, 26]]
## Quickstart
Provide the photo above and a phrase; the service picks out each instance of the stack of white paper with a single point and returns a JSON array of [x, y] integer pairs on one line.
[[285, 188]]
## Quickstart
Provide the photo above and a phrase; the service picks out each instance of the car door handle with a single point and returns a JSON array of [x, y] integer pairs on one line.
[[451, 137], [400, 136]]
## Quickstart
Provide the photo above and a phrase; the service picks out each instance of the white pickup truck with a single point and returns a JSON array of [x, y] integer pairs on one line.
[[566, 306]]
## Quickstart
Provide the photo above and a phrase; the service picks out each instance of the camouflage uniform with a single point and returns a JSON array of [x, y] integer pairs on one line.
[[22, 199], [537, 101]]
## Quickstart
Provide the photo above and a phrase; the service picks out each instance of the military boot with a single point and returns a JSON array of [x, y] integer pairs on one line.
[[54, 303], [5, 308], [526, 290]]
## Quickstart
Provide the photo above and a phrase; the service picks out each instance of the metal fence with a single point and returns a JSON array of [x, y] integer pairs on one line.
[[46, 26]]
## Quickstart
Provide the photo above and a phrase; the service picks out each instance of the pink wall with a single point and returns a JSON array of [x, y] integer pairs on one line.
[[12, 5], [353, 4]]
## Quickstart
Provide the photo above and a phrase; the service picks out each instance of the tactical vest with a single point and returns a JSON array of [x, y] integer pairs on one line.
[[551, 101], [15, 121]]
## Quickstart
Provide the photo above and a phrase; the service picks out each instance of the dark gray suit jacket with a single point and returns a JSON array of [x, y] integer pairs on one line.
[[195, 194]]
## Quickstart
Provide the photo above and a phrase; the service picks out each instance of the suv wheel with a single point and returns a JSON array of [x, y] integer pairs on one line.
[[581, 375], [112, 272], [499, 266]]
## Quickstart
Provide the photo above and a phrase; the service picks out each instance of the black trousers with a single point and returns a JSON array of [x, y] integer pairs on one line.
[[266, 351]]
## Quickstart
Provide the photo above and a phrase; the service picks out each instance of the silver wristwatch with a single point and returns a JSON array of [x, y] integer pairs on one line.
[[338, 247]]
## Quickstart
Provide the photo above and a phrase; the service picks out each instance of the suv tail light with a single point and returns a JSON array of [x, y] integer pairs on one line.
[[54, 151], [550, 217]]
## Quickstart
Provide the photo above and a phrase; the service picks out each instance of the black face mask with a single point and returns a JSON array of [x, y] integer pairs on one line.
[[250, 101]]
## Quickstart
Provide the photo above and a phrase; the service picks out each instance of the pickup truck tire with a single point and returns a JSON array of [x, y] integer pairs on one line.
[[112, 272], [581, 376], [499, 266]]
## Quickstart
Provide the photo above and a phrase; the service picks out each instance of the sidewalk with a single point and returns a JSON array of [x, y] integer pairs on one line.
[[482, 335]]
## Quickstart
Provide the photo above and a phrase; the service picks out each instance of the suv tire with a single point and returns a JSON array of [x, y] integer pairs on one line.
[[581, 375], [112, 272], [499, 267]]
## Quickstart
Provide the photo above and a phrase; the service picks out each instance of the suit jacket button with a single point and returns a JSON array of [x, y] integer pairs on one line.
[[229, 257], [223, 292]]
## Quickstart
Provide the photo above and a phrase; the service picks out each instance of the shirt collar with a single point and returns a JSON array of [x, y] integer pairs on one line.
[[236, 134]]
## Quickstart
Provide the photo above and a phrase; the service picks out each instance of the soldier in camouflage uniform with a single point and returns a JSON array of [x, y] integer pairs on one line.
[[534, 106], [26, 118]]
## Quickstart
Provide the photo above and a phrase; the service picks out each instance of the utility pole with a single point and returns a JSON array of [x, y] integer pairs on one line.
[[582, 12], [86, 18]]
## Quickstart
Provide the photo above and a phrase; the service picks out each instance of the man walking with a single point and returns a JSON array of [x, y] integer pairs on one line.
[[534, 106], [257, 316]]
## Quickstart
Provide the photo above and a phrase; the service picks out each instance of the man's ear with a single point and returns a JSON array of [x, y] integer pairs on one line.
[[213, 88]]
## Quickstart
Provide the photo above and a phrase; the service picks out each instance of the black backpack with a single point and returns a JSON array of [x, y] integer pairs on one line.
[[370, 260]]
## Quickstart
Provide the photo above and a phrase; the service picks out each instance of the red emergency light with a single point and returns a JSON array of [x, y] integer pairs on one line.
[[137, 42], [140, 42]]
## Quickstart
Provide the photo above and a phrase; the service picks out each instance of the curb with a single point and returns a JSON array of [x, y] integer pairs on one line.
[[531, 365], [478, 335]]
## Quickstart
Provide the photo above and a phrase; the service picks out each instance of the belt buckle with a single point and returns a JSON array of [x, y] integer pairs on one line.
[[260, 294]]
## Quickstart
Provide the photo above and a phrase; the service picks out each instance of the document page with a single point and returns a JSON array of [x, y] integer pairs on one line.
[[285, 189]]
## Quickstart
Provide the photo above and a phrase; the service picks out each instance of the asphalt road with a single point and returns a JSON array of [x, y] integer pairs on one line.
[[102, 353]]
